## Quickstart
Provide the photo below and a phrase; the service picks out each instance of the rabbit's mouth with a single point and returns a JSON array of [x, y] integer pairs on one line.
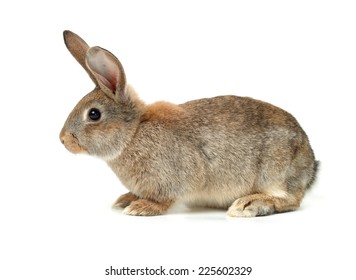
[[70, 141]]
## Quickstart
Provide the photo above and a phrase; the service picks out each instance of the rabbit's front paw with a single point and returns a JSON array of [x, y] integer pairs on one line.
[[125, 200], [144, 207]]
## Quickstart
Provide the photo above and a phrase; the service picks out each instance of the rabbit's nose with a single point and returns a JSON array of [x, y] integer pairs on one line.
[[71, 142], [66, 138], [62, 137]]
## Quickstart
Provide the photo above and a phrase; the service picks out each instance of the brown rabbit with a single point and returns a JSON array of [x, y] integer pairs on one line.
[[229, 152]]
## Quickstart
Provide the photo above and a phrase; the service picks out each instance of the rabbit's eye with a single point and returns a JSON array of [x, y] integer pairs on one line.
[[94, 114]]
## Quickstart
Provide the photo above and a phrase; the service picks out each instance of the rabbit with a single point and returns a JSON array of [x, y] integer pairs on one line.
[[227, 152]]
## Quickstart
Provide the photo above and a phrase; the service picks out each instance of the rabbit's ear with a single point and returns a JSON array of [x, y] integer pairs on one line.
[[108, 72], [78, 48]]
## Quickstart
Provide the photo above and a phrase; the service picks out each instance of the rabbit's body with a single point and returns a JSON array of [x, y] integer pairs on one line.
[[223, 152], [213, 151]]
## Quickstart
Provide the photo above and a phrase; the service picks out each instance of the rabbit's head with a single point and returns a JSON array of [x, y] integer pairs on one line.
[[102, 122]]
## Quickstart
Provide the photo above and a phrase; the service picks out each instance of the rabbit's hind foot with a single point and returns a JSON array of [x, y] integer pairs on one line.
[[260, 204]]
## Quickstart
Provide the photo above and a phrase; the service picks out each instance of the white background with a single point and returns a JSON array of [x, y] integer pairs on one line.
[[56, 220]]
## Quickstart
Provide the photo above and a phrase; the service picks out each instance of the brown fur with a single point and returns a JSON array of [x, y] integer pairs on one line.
[[229, 152], [162, 111]]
